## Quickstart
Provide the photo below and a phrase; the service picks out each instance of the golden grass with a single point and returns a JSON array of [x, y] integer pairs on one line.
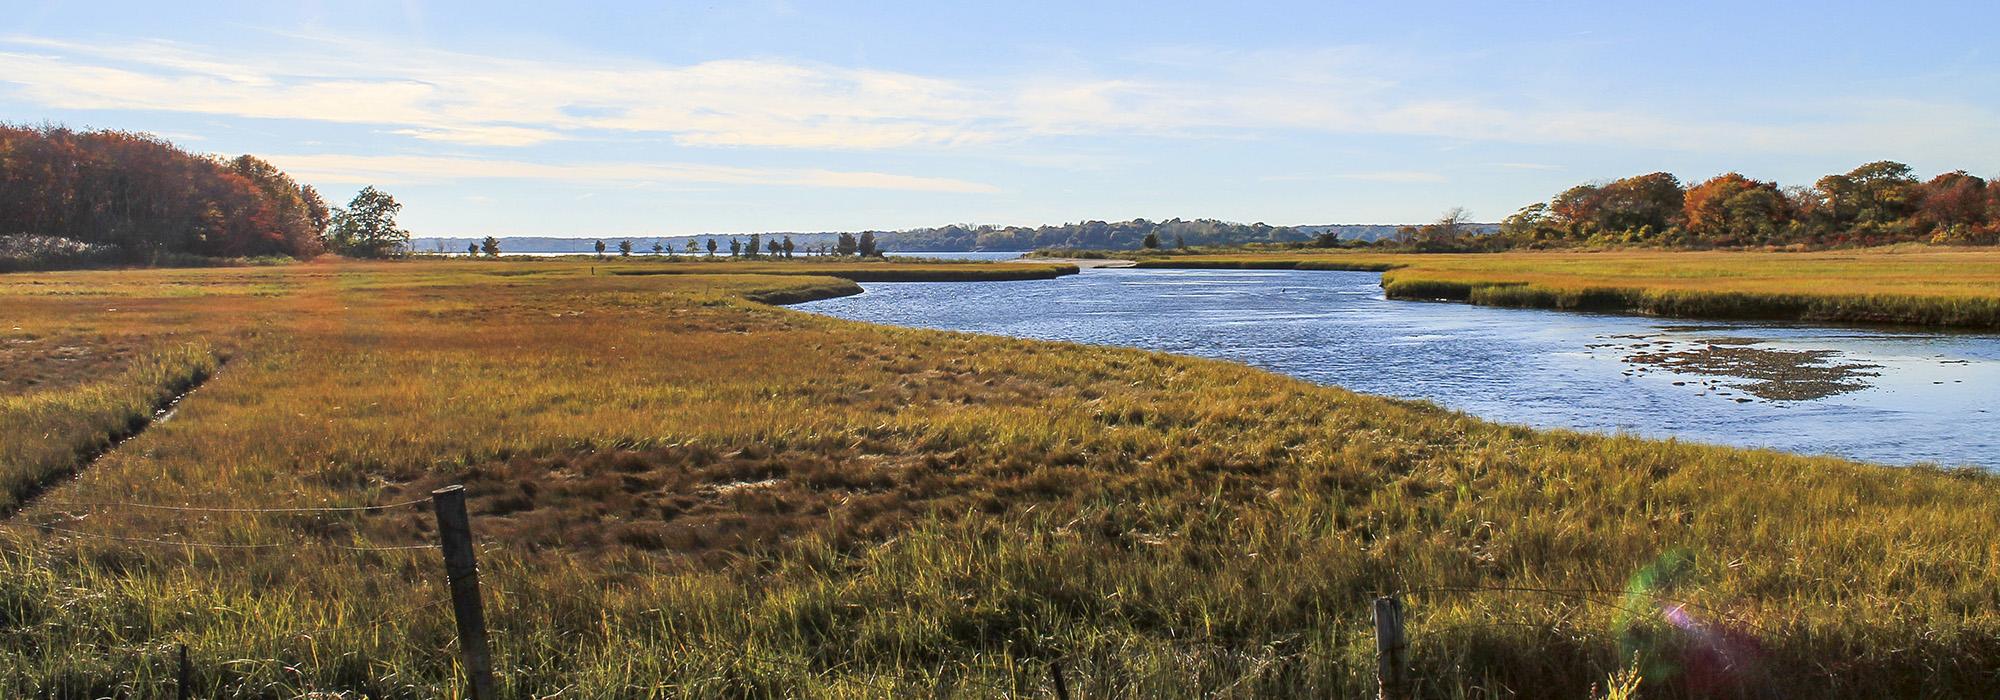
[[1913, 285], [682, 492]]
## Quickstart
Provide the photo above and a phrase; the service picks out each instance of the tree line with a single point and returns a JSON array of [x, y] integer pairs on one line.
[[139, 196], [1876, 204], [848, 245], [1099, 235]]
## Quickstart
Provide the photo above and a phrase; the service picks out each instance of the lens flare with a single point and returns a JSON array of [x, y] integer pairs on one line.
[[1670, 641]]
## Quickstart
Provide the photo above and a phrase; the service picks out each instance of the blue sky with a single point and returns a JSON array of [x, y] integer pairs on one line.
[[579, 119]]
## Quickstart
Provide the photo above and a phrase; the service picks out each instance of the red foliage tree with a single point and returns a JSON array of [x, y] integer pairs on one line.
[[139, 193]]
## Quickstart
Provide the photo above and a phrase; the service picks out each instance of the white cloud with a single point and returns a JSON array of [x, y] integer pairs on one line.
[[497, 101], [485, 135], [383, 170]]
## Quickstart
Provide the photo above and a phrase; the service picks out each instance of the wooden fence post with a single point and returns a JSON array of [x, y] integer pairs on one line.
[[1392, 668], [183, 676], [1062, 686], [461, 570]]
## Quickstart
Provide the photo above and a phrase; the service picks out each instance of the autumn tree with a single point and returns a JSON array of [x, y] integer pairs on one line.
[[600, 250], [1731, 209], [1955, 198], [625, 248], [1577, 210], [787, 247], [367, 227], [141, 195], [490, 246], [298, 218]]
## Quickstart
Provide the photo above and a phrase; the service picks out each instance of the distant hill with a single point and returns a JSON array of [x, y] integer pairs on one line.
[[1092, 235]]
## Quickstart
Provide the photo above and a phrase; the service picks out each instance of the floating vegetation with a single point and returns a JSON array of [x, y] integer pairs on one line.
[[1773, 374]]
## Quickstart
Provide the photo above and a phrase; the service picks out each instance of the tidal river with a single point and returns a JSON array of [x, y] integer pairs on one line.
[[1882, 395]]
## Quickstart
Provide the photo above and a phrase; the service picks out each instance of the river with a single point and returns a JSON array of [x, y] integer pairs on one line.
[[1882, 395]]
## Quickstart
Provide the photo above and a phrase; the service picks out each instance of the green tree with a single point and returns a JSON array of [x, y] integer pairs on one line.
[[472, 247], [1878, 195], [692, 246], [787, 246], [657, 248], [735, 247], [490, 246], [625, 248], [847, 245], [711, 247], [751, 249], [1151, 242], [600, 250], [1653, 200], [367, 227], [865, 246]]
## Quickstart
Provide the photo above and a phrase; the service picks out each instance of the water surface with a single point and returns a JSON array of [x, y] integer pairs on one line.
[[1866, 393]]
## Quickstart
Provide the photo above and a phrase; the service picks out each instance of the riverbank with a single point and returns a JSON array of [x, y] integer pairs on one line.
[[686, 492], [1891, 395], [1911, 286]]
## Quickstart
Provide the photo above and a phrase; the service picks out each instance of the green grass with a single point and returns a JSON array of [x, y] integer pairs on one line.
[[681, 492]]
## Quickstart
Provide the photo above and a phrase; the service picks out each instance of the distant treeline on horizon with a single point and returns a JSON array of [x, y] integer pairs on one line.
[[1118, 235]]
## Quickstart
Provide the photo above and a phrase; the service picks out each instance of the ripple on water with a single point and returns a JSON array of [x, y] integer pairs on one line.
[[1883, 395]]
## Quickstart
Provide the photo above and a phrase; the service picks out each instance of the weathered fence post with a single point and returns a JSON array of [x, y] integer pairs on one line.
[[1062, 686], [461, 570], [183, 676], [1391, 667]]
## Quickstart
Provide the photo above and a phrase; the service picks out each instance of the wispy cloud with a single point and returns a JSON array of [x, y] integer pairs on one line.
[[467, 99], [350, 169], [1400, 176]]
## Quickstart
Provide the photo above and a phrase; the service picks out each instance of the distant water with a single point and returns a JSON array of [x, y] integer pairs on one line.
[[959, 254], [1865, 393], [637, 253]]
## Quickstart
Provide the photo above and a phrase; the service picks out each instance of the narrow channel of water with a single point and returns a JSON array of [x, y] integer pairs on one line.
[[1873, 394]]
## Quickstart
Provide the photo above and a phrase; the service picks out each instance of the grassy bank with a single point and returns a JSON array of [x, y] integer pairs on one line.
[[1918, 286], [683, 492]]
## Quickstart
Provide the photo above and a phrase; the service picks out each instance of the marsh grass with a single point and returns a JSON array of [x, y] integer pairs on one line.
[[1916, 286], [681, 492], [52, 432]]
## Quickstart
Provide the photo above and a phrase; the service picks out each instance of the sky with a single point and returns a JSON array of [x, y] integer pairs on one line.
[[633, 119]]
